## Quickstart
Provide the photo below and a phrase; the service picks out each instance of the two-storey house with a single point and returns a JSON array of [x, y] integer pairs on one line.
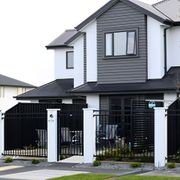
[[125, 52]]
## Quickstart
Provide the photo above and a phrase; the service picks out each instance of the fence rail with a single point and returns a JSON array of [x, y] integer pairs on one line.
[[127, 135]]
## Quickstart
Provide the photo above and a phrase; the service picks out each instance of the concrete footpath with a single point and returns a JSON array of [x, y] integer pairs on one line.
[[24, 170]]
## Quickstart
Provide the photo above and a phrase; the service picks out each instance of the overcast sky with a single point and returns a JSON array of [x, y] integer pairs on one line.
[[27, 26]]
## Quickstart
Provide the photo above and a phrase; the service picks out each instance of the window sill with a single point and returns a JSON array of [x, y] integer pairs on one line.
[[120, 57]]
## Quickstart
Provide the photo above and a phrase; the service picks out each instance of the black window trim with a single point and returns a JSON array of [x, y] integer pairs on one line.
[[127, 33], [67, 52]]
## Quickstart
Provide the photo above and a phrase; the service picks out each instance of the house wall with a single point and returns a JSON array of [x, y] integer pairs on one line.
[[91, 51], [124, 70], [6, 96], [173, 47], [156, 65], [78, 61], [60, 71], [92, 101]]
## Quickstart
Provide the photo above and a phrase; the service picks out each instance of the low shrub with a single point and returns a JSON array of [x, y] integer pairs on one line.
[[135, 165], [35, 161], [96, 163], [171, 165], [8, 160]]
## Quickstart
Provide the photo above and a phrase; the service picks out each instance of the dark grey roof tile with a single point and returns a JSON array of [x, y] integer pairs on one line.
[[54, 89], [7, 81], [60, 41]]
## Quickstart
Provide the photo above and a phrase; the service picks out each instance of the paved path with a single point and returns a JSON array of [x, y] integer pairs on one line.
[[45, 171], [40, 174], [165, 172]]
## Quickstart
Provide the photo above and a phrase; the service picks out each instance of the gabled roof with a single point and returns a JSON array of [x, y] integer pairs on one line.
[[7, 81], [54, 89], [168, 83], [170, 8], [61, 40], [143, 7]]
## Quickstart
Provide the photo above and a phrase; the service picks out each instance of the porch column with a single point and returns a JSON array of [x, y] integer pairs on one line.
[[160, 130], [52, 134], [1, 134], [89, 135]]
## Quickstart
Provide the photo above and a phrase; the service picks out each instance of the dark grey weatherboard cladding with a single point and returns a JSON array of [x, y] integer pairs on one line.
[[122, 17]]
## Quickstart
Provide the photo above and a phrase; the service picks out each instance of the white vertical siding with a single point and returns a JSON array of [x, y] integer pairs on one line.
[[91, 41], [155, 49], [78, 61], [173, 47], [60, 71]]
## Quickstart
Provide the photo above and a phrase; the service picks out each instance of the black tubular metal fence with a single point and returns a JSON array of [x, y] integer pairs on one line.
[[26, 128], [173, 135], [70, 132], [125, 136]]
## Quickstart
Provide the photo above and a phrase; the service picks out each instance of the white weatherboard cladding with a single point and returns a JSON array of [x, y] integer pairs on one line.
[[91, 42], [155, 33], [173, 47], [60, 71], [78, 62], [92, 101]]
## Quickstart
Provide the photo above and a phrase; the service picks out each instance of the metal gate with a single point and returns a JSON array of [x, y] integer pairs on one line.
[[174, 132], [70, 131]]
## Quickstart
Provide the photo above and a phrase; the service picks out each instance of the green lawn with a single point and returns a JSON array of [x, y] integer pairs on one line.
[[112, 177]]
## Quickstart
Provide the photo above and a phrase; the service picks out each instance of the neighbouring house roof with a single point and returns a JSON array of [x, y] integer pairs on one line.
[[142, 7], [171, 8], [54, 89], [61, 40], [7, 81], [167, 83]]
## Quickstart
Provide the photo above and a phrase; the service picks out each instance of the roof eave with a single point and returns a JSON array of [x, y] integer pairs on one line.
[[110, 4], [58, 46]]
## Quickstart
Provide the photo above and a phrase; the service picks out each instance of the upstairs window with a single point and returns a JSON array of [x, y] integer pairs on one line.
[[69, 60], [120, 44]]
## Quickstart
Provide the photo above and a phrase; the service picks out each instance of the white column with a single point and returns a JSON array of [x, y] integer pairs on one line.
[[89, 135], [160, 130], [1, 134], [52, 134]]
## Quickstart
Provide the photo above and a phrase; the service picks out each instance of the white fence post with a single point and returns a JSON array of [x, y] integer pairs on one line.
[[160, 130], [89, 135], [1, 134], [52, 134]]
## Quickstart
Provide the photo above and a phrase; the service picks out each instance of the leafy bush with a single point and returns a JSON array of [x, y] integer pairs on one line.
[[35, 161], [171, 165], [135, 165], [96, 163], [8, 160]]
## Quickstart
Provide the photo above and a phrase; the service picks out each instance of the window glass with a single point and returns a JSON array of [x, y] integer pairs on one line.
[[109, 44], [131, 43], [120, 39], [120, 43], [70, 60]]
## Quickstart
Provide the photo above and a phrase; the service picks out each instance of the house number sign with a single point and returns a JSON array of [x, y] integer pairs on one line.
[[51, 118]]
